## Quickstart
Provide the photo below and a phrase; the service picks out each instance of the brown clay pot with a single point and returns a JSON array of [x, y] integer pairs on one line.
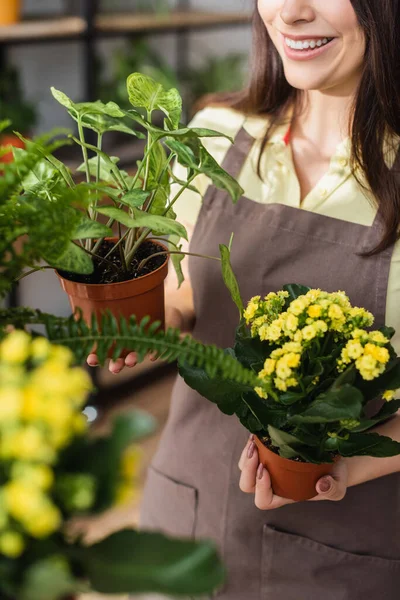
[[140, 297], [290, 478], [9, 139]]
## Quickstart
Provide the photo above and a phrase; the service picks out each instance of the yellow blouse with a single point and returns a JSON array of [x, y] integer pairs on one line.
[[337, 195]]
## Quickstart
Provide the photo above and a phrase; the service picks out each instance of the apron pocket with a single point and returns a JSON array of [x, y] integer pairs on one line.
[[168, 506], [297, 568]]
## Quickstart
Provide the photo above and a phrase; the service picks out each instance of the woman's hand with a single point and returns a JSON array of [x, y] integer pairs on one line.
[[255, 480], [173, 318]]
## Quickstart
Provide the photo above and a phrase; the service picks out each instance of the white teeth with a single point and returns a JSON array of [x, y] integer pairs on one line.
[[306, 44]]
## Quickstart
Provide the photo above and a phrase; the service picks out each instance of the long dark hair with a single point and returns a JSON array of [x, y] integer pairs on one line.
[[376, 110]]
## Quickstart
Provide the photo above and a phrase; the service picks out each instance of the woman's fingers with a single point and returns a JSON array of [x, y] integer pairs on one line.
[[116, 366], [131, 360], [264, 498], [244, 453], [92, 360], [247, 481]]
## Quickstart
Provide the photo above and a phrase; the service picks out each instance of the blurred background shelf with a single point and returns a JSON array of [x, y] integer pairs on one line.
[[43, 29], [141, 23]]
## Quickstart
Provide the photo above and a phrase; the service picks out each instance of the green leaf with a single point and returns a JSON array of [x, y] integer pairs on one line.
[[177, 259], [105, 168], [48, 579], [145, 92], [251, 352], [159, 224], [88, 229], [131, 427], [135, 198], [102, 123], [136, 562], [206, 164], [230, 278], [291, 446], [62, 99], [265, 411], [118, 215], [388, 410], [368, 444], [219, 390], [295, 290], [74, 260], [345, 403]]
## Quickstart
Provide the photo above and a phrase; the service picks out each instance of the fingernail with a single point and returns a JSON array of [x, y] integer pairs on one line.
[[251, 438], [324, 485], [251, 449], [260, 471]]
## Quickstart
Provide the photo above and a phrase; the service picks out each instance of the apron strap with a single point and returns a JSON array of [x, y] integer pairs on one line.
[[238, 153]]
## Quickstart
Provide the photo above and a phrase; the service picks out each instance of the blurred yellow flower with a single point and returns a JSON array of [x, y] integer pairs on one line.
[[11, 400], [11, 544], [15, 347]]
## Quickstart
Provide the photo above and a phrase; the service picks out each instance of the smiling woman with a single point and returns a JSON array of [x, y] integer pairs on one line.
[[316, 152]]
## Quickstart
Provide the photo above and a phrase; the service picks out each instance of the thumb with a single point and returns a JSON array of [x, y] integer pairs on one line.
[[329, 488]]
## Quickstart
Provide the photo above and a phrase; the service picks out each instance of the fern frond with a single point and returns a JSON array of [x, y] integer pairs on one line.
[[143, 338]]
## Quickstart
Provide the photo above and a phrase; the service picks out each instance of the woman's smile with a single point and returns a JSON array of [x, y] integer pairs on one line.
[[306, 47]]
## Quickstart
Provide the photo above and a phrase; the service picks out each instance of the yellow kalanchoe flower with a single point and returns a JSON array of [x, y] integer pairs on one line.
[[12, 544], [15, 347], [389, 395]]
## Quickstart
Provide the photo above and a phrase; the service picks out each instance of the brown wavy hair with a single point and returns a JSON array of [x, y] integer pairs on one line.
[[376, 109]]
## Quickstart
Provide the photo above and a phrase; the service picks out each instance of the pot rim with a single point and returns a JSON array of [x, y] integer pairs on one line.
[[294, 465], [119, 283]]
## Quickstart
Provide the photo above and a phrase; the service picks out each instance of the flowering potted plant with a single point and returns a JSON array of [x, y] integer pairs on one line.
[[320, 369], [53, 472]]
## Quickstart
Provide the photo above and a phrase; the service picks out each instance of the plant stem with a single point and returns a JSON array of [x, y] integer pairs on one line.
[[117, 244], [84, 149], [147, 231], [179, 194], [145, 260], [149, 150], [99, 144], [32, 271]]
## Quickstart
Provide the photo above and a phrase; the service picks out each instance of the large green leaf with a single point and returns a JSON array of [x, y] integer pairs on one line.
[[219, 390], [145, 92], [206, 164], [101, 123], [266, 412], [345, 403], [230, 278], [251, 352], [388, 410], [368, 444], [48, 579], [105, 168], [74, 260], [88, 229], [162, 225], [290, 446], [135, 198], [139, 562]]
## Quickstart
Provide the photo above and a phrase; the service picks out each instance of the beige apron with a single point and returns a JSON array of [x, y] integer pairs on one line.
[[348, 550]]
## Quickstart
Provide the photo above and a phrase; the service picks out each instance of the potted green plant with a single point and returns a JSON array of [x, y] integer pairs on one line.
[[120, 264], [13, 107], [55, 474]]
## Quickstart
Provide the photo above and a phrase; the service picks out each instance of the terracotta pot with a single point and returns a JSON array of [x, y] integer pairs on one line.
[[290, 478], [9, 139], [10, 11], [140, 297]]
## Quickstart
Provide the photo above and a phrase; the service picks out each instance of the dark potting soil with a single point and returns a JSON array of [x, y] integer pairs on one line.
[[104, 273], [268, 444]]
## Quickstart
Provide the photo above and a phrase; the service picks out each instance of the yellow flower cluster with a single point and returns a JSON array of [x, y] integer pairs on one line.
[[296, 326], [41, 397], [129, 473], [368, 352], [280, 368]]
